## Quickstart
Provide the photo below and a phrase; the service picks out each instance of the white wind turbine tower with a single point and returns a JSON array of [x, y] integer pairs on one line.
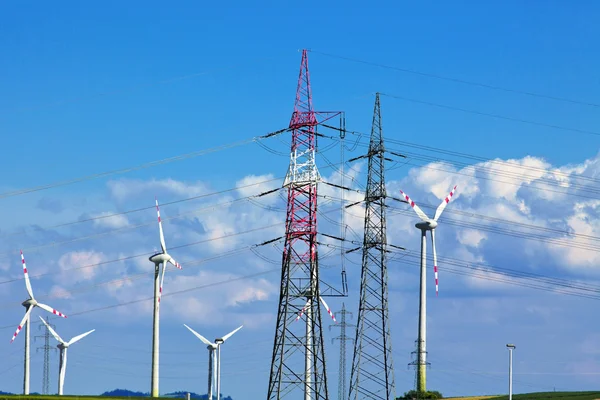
[[426, 224], [159, 258], [63, 346], [29, 305], [308, 360], [214, 357]]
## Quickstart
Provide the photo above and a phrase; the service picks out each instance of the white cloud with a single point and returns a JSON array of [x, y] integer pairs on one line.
[[480, 305], [112, 221], [78, 266], [59, 292], [124, 189], [252, 185], [471, 237]]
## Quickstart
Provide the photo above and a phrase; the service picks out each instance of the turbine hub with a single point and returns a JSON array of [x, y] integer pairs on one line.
[[427, 225], [29, 303]]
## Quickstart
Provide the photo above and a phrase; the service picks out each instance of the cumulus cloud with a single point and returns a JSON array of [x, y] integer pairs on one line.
[[79, 266], [59, 292], [204, 299], [522, 198], [514, 197], [124, 189], [110, 220], [252, 185]]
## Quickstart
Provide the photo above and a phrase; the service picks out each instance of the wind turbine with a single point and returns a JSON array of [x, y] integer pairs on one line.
[[426, 224], [159, 258], [29, 305], [214, 352], [308, 360], [63, 346]]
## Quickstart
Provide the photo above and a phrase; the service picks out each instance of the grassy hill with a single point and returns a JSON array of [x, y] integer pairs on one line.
[[539, 396]]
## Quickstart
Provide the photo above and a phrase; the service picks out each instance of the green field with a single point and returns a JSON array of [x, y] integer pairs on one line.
[[68, 397], [538, 396], [525, 396]]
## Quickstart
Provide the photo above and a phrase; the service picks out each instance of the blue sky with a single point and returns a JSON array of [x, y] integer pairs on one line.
[[91, 88]]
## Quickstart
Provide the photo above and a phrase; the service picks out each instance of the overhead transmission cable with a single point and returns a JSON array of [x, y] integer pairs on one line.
[[252, 230], [131, 88], [535, 180], [485, 114], [457, 80], [142, 166]]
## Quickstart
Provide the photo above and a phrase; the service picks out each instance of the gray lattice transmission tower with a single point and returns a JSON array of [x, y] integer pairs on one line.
[[343, 338], [372, 375], [46, 348]]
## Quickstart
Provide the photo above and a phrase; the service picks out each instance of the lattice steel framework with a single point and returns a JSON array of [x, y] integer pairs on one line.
[[372, 375], [343, 338], [298, 361], [46, 348]]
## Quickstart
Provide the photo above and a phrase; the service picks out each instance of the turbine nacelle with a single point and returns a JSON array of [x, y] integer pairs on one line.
[[160, 258], [427, 225]]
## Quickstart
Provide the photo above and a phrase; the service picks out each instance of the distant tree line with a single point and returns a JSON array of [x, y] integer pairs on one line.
[[414, 395]]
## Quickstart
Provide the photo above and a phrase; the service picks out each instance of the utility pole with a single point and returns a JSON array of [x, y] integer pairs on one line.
[[372, 375], [298, 359], [510, 348], [46, 348], [342, 338]]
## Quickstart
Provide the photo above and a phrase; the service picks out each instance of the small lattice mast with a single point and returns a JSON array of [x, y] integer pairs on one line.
[[372, 375], [46, 348], [343, 338], [298, 361]]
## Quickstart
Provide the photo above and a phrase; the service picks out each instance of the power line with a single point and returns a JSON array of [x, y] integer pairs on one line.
[[142, 166], [483, 271], [152, 207], [147, 253], [201, 196], [453, 108], [127, 89], [463, 81], [484, 159]]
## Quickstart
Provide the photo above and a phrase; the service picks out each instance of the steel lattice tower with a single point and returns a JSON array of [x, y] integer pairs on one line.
[[372, 375], [298, 361], [46, 348], [343, 338]]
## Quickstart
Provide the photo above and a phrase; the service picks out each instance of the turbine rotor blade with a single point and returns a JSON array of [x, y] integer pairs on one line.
[[301, 313], [230, 334], [175, 263], [443, 204], [435, 268], [21, 324], [162, 279], [199, 336], [328, 309], [53, 332], [162, 236], [79, 337], [27, 282], [415, 207], [51, 310]]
